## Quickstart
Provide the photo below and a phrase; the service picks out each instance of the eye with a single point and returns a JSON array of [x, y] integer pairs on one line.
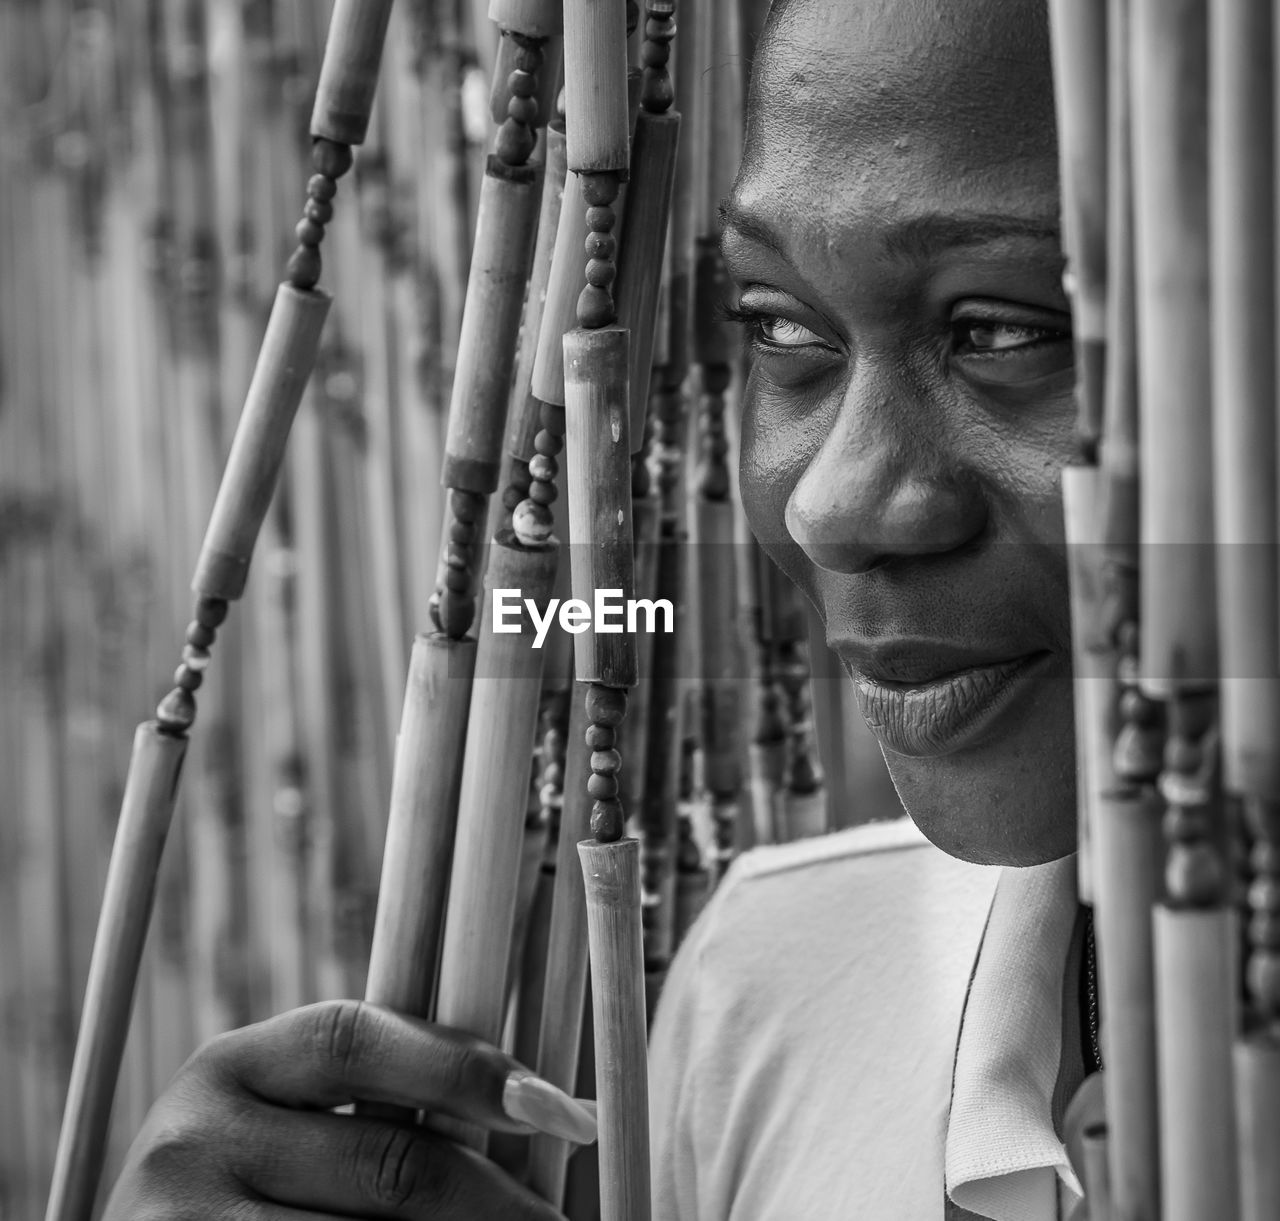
[[770, 332], [986, 337], [782, 332]]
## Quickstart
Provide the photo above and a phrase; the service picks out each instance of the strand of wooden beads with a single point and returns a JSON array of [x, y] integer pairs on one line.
[[804, 808], [344, 98], [598, 417], [1195, 871], [509, 207], [1263, 968]]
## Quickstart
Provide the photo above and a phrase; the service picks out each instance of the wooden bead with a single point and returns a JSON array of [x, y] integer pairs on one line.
[[177, 711], [606, 705], [595, 308], [601, 219], [1138, 753], [1194, 874], [553, 420], [528, 63], [1264, 894], [455, 614], [1185, 823], [304, 267], [515, 143], [1264, 982], [465, 506], [522, 83], [1264, 931], [1265, 857], [200, 636], [457, 580], [309, 233], [607, 821], [1179, 789], [599, 191], [321, 188], [543, 467], [1136, 707], [608, 762], [317, 211], [533, 523], [212, 612], [544, 493], [601, 274], [602, 788], [523, 110], [462, 532], [331, 158], [187, 678], [600, 245], [548, 444], [601, 737], [195, 658]]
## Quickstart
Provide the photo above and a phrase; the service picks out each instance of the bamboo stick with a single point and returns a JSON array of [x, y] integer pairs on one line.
[[524, 411], [565, 987], [649, 195], [349, 73], [612, 878], [1257, 1088], [1244, 386], [504, 707], [559, 314], [509, 205], [599, 457], [288, 355], [144, 823], [1195, 1012], [597, 119], [425, 789], [1126, 871], [1079, 42], [1170, 151]]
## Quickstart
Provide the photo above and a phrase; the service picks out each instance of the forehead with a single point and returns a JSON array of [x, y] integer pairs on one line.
[[867, 110]]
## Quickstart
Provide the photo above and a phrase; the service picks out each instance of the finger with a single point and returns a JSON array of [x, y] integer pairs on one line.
[[336, 1052], [352, 1166]]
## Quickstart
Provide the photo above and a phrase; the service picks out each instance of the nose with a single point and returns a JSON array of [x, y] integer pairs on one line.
[[885, 483]]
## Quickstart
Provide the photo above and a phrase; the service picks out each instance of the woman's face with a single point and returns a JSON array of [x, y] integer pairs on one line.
[[893, 238]]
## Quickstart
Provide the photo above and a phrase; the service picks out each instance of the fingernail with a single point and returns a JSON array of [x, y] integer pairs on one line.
[[531, 1100]]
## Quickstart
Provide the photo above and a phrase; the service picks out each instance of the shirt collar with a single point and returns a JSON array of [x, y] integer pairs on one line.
[[1003, 1158]]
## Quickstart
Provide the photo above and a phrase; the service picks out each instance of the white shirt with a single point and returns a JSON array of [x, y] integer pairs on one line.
[[803, 1053]]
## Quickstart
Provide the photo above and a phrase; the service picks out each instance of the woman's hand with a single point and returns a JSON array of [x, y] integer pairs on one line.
[[245, 1130]]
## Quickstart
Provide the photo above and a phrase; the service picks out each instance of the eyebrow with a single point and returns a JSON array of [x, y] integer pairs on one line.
[[916, 238]]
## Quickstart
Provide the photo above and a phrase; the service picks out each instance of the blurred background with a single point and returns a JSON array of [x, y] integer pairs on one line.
[[153, 158]]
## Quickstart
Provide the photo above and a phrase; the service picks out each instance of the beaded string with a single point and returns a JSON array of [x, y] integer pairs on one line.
[[453, 604], [606, 706], [176, 712]]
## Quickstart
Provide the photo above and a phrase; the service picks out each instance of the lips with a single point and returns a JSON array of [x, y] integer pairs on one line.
[[929, 702]]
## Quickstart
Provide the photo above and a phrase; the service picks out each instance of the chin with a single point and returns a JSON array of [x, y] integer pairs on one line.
[[1010, 800]]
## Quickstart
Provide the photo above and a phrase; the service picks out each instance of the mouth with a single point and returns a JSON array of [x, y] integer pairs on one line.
[[926, 706]]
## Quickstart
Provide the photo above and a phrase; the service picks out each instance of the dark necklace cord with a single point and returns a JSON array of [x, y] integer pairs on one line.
[[1089, 999]]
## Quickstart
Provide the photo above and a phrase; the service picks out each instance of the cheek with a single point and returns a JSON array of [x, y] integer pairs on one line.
[[776, 450]]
